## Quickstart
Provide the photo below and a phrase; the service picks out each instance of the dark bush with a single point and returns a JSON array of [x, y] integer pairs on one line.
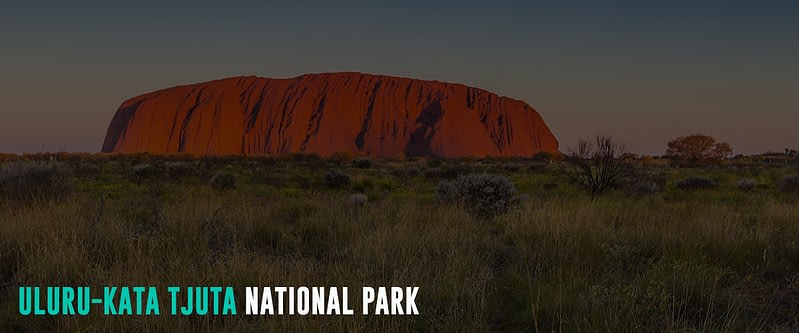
[[448, 192], [537, 166], [513, 167], [447, 171], [434, 162], [340, 158], [362, 163], [34, 180], [224, 181], [179, 170], [483, 195], [336, 179], [545, 156], [694, 182], [788, 184], [308, 158]]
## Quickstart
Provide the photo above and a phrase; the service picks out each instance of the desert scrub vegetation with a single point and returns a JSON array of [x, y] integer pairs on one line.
[[789, 184], [144, 172], [717, 260], [335, 179], [597, 164], [696, 182], [224, 181], [25, 181], [484, 195], [178, 170], [362, 162], [746, 184]]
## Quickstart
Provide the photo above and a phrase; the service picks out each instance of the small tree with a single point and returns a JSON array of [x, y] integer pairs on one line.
[[697, 149], [598, 164]]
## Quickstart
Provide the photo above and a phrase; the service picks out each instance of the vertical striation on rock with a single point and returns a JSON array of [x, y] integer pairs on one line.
[[325, 114]]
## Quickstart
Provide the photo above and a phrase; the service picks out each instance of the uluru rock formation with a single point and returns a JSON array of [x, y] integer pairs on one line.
[[325, 114]]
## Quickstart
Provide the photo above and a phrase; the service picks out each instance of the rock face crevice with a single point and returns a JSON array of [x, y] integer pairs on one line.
[[328, 113]]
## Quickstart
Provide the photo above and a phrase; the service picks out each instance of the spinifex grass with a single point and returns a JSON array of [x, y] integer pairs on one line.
[[713, 260]]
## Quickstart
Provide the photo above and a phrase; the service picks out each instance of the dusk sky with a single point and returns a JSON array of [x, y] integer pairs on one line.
[[639, 72]]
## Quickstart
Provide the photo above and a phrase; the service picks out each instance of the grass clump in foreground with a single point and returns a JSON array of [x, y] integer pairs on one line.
[[718, 260]]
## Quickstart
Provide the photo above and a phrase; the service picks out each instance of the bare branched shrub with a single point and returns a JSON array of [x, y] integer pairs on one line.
[[597, 165], [483, 195], [34, 180]]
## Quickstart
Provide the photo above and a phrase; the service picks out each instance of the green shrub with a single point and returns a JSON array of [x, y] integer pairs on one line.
[[789, 184], [362, 183], [224, 181], [695, 182], [336, 179], [34, 180], [483, 195]]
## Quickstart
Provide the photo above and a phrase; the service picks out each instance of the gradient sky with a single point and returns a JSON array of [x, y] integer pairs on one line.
[[643, 73]]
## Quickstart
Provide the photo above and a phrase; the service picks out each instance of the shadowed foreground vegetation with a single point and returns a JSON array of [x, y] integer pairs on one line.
[[646, 256]]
